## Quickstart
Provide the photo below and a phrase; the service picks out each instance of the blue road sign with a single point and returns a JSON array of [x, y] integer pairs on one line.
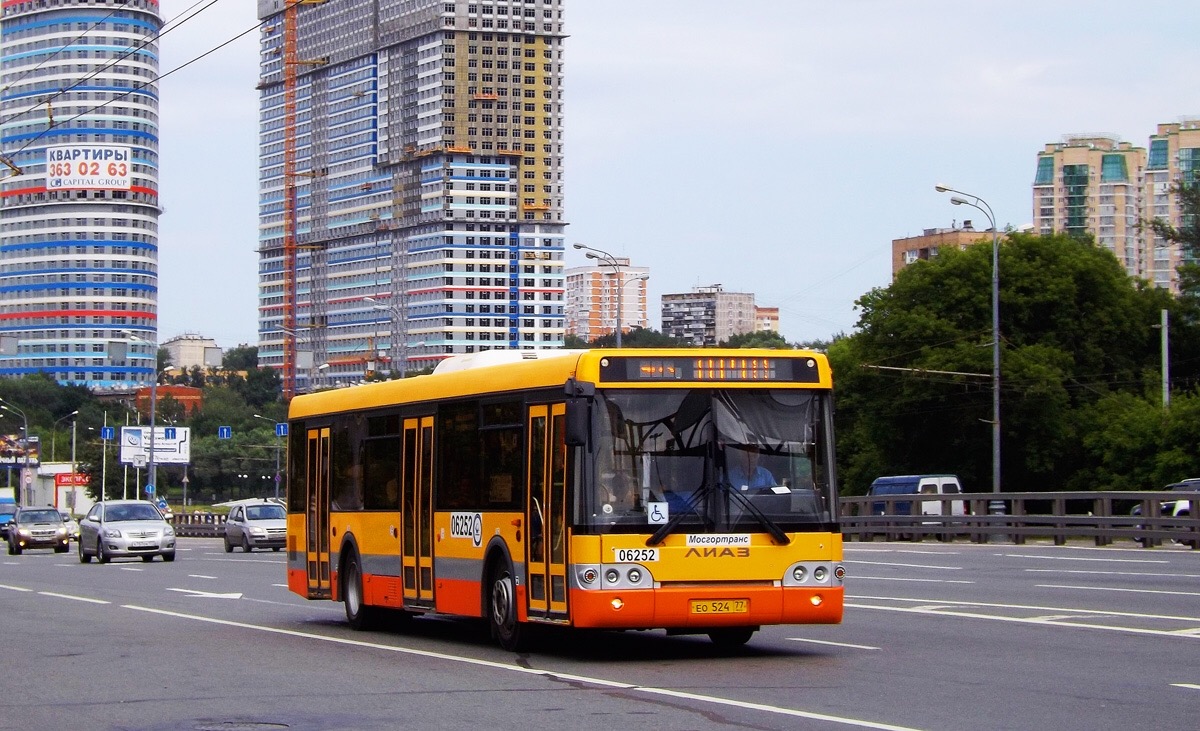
[[225, 432], [149, 489], [169, 432], [108, 433], [281, 429]]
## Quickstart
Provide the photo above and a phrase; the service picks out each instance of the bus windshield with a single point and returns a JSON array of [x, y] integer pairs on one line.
[[710, 460]]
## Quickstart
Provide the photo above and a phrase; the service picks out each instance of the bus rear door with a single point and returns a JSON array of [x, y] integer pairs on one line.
[[316, 529], [547, 511], [417, 509]]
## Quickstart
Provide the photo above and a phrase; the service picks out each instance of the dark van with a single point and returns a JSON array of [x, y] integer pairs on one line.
[[932, 485]]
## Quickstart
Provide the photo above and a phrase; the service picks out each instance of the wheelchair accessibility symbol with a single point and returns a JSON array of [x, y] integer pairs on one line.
[[657, 513]]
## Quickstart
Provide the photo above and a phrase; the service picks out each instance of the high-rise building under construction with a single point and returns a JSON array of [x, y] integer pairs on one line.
[[410, 183], [79, 197]]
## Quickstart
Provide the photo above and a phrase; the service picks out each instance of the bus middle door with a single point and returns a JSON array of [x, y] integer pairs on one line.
[[416, 506], [316, 538], [547, 510]]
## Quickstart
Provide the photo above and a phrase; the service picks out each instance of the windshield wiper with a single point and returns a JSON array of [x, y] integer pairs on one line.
[[772, 527]]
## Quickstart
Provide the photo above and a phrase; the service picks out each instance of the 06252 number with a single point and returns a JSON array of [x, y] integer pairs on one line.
[[635, 555]]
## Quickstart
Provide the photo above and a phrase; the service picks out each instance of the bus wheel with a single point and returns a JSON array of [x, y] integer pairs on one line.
[[358, 614], [506, 630], [728, 638]]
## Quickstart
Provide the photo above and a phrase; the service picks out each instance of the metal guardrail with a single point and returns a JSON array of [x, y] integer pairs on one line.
[[198, 525], [1016, 516], [1004, 517]]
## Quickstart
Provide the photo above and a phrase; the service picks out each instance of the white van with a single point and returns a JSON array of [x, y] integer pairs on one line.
[[933, 485]]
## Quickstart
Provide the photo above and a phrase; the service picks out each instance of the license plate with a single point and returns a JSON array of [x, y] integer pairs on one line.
[[720, 606], [143, 545]]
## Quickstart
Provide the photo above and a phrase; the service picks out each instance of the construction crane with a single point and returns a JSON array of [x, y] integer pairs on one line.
[[291, 64]]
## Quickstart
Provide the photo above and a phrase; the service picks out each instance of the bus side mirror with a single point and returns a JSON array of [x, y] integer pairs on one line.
[[578, 422]]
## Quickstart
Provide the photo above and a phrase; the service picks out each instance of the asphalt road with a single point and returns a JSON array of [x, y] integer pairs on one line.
[[936, 636]]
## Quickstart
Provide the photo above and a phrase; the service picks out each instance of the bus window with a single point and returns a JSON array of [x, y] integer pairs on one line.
[[382, 474], [347, 489]]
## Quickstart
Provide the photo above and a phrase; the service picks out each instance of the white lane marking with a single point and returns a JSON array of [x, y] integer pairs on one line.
[[550, 674], [1076, 558], [200, 576], [1189, 686], [906, 565], [1028, 620], [1115, 589], [208, 594], [1109, 573], [1035, 607], [131, 568], [75, 598], [848, 549], [856, 577], [835, 644], [14, 588]]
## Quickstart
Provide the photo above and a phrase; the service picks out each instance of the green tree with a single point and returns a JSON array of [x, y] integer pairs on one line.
[[638, 337], [1185, 314], [242, 358], [757, 339], [1074, 328]]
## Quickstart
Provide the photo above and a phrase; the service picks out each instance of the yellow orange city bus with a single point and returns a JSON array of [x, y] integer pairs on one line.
[[686, 490]]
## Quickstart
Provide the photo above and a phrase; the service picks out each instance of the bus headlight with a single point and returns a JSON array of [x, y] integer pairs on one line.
[[635, 576], [799, 574], [612, 576], [819, 574]]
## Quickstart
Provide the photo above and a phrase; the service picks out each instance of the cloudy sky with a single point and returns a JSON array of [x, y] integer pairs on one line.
[[774, 147]]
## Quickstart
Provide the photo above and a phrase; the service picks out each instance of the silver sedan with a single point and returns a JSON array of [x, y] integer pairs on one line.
[[125, 528]]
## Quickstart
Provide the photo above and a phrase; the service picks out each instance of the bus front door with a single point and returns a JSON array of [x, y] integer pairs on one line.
[[316, 540], [416, 506], [547, 511]]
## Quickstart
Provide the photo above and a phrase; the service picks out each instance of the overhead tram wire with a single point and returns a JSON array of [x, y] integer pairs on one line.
[[143, 84], [57, 51], [104, 67]]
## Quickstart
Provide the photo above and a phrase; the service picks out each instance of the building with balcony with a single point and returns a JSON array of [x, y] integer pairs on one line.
[[79, 196], [600, 296], [411, 153], [707, 316], [1091, 184], [933, 241]]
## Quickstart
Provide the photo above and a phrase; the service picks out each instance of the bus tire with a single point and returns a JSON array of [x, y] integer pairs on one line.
[[728, 638], [502, 608], [358, 614]]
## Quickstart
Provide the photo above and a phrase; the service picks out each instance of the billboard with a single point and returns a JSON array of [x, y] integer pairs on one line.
[[96, 167], [172, 445], [15, 448]]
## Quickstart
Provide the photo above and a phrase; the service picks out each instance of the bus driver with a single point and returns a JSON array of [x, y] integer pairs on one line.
[[743, 470]]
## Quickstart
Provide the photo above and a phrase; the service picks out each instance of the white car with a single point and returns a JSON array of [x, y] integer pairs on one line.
[[71, 524], [125, 528], [1174, 508], [256, 525]]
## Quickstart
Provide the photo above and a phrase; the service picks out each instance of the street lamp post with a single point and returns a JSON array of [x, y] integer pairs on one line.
[[26, 478], [151, 466], [399, 331], [278, 449], [54, 433], [982, 206], [607, 259]]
